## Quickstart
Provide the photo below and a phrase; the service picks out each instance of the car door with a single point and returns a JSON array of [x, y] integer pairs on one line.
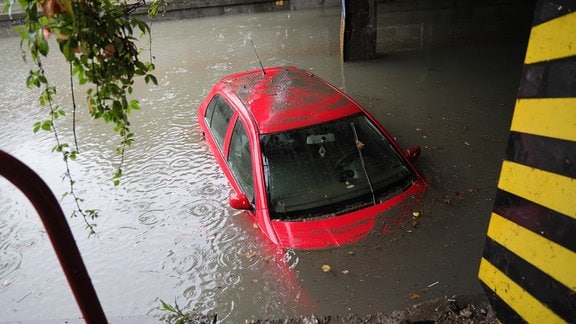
[[232, 143]]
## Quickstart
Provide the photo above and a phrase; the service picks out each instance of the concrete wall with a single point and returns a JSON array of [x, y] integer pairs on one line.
[[418, 24], [401, 24], [310, 4]]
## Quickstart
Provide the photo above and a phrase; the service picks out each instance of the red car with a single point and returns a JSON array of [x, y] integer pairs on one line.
[[307, 162]]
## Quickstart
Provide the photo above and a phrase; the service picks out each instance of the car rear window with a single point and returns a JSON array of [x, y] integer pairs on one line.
[[218, 115]]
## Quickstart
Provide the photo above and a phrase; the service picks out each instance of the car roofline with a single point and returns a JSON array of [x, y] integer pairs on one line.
[[287, 97]]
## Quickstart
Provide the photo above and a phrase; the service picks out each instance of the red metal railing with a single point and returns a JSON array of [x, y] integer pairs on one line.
[[59, 233]]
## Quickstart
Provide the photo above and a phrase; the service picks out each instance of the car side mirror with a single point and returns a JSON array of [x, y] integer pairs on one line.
[[413, 153], [239, 201]]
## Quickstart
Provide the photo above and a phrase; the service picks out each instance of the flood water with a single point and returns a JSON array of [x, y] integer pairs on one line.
[[167, 233]]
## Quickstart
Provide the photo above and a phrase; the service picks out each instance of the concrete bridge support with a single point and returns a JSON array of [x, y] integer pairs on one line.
[[358, 30], [528, 268]]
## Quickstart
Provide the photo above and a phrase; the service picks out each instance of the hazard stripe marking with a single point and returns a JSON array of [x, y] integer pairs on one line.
[[544, 153], [551, 258], [549, 79], [551, 117], [546, 289], [552, 40], [528, 268], [548, 10], [544, 188], [501, 309], [528, 307], [555, 226]]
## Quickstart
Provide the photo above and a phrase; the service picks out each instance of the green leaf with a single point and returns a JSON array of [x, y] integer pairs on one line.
[[42, 44], [167, 307], [37, 126], [46, 125], [93, 213], [117, 177], [150, 77], [67, 49], [134, 105], [33, 80]]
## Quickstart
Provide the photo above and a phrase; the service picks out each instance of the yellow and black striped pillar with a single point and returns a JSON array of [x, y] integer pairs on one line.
[[528, 269]]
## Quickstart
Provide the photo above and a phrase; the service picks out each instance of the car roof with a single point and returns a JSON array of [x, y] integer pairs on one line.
[[283, 98]]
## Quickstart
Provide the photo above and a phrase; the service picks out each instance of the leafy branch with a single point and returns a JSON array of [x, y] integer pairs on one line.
[[96, 37], [37, 79]]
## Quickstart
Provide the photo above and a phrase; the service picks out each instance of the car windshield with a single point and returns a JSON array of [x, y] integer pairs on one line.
[[330, 169]]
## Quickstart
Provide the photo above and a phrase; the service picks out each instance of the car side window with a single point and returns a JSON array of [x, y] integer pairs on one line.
[[218, 115], [240, 160]]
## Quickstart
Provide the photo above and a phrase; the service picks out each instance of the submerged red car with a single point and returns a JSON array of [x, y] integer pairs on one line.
[[307, 162]]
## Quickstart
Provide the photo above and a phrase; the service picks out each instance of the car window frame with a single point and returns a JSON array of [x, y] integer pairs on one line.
[[220, 138], [229, 150], [224, 148]]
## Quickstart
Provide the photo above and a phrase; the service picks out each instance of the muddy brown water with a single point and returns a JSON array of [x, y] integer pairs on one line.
[[167, 232]]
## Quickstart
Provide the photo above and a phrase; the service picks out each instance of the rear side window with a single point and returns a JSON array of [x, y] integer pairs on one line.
[[240, 160], [218, 115]]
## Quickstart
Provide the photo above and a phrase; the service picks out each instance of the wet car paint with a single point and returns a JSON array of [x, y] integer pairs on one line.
[[282, 98]]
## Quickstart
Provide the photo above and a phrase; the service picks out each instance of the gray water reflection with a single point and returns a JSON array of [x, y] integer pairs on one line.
[[166, 232]]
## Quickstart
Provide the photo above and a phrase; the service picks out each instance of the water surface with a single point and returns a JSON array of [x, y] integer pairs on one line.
[[167, 232]]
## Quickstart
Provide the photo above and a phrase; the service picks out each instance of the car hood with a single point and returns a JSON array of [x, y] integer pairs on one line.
[[338, 230]]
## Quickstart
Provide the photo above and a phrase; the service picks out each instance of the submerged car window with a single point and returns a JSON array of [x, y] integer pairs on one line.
[[217, 117], [330, 169], [240, 160]]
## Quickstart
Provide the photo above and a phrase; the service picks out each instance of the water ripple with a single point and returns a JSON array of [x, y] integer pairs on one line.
[[169, 222], [210, 211], [9, 262], [118, 238], [152, 217], [212, 189]]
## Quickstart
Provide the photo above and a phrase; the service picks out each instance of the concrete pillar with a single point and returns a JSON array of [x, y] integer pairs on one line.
[[528, 268], [358, 30]]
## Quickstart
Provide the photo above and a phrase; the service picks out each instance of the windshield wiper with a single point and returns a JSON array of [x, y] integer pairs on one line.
[[359, 146]]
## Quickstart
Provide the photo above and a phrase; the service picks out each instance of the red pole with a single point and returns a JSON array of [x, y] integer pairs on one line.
[[59, 233]]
